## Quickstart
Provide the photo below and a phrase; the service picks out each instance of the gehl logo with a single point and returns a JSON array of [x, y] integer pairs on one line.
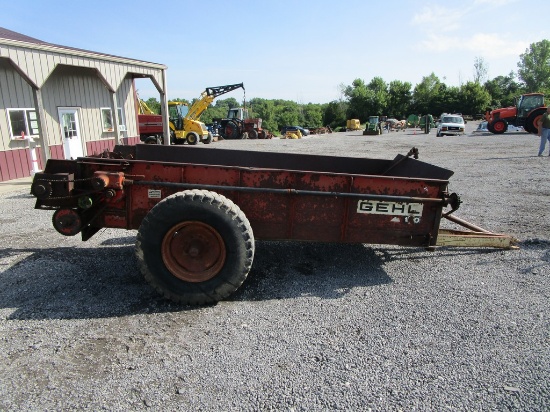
[[377, 207]]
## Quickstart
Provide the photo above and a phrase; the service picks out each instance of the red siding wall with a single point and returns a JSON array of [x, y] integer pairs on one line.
[[15, 164], [130, 141], [98, 146], [56, 152]]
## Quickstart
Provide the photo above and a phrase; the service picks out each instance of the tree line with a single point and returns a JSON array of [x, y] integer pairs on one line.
[[398, 99]]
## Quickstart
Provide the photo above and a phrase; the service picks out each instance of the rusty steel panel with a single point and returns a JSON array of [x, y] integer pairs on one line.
[[269, 214], [301, 217], [114, 220], [251, 159], [397, 222], [284, 196]]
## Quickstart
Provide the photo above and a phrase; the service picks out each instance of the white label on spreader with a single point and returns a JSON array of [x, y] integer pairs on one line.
[[378, 207], [154, 194]]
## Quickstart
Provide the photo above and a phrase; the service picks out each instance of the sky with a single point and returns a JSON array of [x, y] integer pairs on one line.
[[300, 50]]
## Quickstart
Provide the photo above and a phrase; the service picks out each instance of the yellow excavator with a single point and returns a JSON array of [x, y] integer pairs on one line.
[[190, 129], [185, 124]]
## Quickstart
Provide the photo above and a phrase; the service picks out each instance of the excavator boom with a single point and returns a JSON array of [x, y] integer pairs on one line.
[[207, 97], [219, 90]]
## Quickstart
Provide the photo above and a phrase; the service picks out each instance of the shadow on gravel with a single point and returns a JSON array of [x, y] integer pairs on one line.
[[412, 253], [75, 283], [509, 157], [286, 270], [20, 196], [82, 283]]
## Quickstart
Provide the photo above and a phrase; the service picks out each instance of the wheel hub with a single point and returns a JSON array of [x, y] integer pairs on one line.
[[193, 251]]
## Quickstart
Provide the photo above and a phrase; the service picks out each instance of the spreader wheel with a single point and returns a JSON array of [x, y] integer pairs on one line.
[[195, 247]]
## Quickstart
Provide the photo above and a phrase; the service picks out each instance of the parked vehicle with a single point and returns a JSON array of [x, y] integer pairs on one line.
[[526, 113], [303, 131], [239, 125], [450, 125], [373, 126], [150, 123], [184, 121], [198, 212]]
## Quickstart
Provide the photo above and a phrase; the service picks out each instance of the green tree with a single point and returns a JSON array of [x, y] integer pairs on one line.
[[379, 101], [426, 93], [447, 101], [287, 113], [534, 67], [334, 114], [474, 98], [313, 115], [265, 109], [219, 109], [229, 103], [399, 99], [153, 104], [503, 90], [358, 97]]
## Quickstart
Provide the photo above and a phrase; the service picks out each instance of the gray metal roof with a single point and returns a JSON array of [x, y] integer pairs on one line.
[[11, 35]]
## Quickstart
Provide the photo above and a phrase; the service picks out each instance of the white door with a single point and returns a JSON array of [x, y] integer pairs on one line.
[[70, 132]]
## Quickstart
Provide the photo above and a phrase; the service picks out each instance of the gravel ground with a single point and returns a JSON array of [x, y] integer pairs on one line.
[[314, 327]]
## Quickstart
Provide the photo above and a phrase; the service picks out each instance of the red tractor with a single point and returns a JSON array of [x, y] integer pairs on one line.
[[239, 125], [527, 112]]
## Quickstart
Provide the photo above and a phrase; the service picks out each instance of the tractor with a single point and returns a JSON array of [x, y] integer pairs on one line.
[[185, 124], [239, 125], [526, 113], [373, 126]]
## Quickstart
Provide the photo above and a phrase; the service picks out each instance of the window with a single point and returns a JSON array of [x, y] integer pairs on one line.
[[107, 120], [23, 121]]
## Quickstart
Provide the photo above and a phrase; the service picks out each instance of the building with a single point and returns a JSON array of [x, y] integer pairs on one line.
[[60, 102]]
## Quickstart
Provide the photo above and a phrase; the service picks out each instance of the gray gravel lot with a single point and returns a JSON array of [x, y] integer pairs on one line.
[[315, 326]]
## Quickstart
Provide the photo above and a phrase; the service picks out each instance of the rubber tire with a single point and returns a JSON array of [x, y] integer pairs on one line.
[[530, 122], [208, 139], [262, 134], [231, 130], [192, 138], [209, 208], [253, 134], [499, 126], [174, 139], [152, 140]]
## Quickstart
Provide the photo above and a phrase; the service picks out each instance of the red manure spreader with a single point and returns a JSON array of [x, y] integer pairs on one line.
[[198, 210]]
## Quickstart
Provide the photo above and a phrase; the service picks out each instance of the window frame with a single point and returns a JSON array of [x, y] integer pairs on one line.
[[107, 110], [28, 126]]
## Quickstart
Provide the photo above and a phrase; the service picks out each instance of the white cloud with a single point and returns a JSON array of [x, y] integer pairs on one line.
[[439, 18], [494, 45], [489, 45], [494, 3]]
